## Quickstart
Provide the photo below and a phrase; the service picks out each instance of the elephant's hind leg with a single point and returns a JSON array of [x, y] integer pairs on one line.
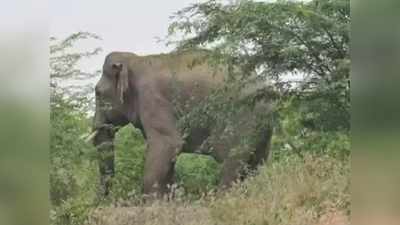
[[234, 167], [250, 151], [229, 150], [262, 148]]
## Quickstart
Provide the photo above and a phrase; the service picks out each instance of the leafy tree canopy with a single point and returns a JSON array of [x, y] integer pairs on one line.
[[281, 40], [66, 76]]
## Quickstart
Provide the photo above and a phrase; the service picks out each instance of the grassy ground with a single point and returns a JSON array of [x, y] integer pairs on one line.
[[296, 191]]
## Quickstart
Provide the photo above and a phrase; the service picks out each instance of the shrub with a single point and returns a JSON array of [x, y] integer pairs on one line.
[[197, 173], [129, 163]]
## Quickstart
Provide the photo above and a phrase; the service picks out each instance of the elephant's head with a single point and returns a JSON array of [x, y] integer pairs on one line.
[[115, 107], [114, 99]]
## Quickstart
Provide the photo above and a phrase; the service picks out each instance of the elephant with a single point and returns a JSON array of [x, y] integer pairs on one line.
[[141, 90]]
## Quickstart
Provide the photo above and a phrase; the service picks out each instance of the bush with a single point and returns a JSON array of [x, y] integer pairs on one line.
[[66, 151], [197, 173], [294, 134], [73, 171], [129, 163]]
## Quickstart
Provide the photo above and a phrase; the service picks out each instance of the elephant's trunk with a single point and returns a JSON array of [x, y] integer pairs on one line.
[[99, 127], [102, 138]]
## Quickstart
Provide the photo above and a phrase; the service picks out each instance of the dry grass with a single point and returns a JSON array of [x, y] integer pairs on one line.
[[158, 213], [307, 191]]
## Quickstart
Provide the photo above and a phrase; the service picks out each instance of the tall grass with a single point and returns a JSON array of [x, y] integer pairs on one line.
[[294, 191]]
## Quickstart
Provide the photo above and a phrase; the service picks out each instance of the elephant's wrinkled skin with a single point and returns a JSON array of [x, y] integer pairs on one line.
[[139, 90]]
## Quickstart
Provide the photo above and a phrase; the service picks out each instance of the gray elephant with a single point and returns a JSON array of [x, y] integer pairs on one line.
[[146, 92]]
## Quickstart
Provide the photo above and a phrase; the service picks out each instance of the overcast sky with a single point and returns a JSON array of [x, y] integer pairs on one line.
[[124, 25]]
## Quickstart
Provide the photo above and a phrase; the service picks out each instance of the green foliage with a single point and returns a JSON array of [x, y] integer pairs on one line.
[[300, 48], [129, 163], [66, 151], [73, 168], [73, 211], [295, 134], [284, 36], [72, 165], [197, 173], [69, 154], [66, 76]]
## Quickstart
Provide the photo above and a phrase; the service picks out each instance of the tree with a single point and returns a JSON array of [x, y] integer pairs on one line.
[[71, 163], [65, 75], [301, 47]]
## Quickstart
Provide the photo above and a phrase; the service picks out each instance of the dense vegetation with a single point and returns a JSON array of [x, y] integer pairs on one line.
[[300, 49]]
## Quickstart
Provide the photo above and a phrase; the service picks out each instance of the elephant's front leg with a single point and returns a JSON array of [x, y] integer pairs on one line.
[[160, 163], [105, 149], [164, 141]]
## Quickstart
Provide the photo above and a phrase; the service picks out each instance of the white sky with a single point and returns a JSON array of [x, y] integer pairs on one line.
[[124, 25]]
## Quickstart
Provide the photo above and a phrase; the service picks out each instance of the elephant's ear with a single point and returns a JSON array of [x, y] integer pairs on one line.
[[122, 80]]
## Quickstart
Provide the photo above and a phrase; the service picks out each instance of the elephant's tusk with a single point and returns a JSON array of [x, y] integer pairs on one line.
[[90, 136]]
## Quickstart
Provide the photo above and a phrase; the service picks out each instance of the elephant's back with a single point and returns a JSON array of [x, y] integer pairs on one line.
[[185, 66]]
